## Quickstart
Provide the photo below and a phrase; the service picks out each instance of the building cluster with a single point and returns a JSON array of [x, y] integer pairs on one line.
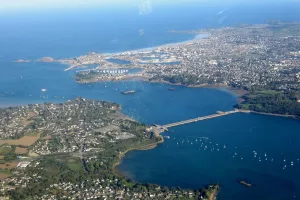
[[13, 121], [79, 130], [106, 189], [100, 189], [256, 55], [78, 125]]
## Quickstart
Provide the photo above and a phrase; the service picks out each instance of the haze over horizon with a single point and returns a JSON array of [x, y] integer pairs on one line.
[[14, 5]]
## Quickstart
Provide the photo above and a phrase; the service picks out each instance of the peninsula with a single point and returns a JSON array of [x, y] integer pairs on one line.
[[51, 151], [261, 59]]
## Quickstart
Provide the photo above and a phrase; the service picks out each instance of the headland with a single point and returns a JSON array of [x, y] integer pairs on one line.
[[264, 75]]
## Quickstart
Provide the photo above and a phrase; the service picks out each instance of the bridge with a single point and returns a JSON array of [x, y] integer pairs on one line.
[[157, 129]]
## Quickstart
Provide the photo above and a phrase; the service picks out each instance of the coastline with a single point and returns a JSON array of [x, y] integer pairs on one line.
[[140, 148], [223, 87], [214, 194], [72, 65], [235, 91], [274, 114], [196, 37], [238, 92], [122, 154]]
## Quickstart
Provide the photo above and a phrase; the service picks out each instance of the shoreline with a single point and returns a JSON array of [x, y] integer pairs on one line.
[[274, 114], [214, 194], [196, 37], [48, 59], [122, 155], [235, 91]]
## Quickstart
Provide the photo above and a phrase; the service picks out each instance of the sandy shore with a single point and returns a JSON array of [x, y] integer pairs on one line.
[[213, 195], [197, 37]]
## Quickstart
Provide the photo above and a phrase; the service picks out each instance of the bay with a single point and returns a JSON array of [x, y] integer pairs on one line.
[[255, 148], [63, 34]]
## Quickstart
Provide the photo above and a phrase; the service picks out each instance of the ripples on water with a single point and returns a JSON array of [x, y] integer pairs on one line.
[[256, 148], [263, 150]]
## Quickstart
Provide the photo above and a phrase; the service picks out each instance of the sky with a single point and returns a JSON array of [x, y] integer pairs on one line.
[[33, 4]]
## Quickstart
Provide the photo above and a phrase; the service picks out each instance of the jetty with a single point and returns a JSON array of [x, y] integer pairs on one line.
[[157, 129]]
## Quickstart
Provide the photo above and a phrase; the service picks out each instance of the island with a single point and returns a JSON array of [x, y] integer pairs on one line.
[[45, 59], [71, 149], [245, 183], [21, 61]]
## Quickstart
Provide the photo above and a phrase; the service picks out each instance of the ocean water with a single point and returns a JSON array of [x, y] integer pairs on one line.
[[262, 150], [152, 103], [70, 33]]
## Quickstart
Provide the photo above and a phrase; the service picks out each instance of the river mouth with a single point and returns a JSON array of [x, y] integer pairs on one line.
[[247, 147], [155, 103], [183, 165]]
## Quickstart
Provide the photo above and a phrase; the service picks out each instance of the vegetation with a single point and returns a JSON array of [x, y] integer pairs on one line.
[[5, 149], [272, 101], [55, 171], [10, 156], [4, 174], [188, 79], [79, 149], [85, 76]]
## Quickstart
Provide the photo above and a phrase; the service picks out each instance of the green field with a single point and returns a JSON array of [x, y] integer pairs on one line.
[[5, 149], [4, 174], [272, 101], [75, 166]]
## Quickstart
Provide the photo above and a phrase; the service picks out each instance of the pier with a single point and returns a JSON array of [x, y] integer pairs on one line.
[[157, 129]]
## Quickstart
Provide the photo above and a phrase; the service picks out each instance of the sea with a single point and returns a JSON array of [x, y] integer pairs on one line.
[[262, 150]]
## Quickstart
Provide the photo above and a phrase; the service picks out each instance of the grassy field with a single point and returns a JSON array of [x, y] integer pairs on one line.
[[269, 92], [32, 154], [28, 120], [5, 149], [23, 141], [8, 165], [75, 166], [4, 174], [20, 150], [264, 93]]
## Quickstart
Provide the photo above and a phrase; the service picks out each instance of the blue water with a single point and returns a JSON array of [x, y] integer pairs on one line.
[[184, 161], [152, 103], [119, 61], [70, 33]]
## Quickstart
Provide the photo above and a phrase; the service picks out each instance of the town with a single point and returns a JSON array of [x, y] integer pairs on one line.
[[254, 55], [70, 151], [263, 60]]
